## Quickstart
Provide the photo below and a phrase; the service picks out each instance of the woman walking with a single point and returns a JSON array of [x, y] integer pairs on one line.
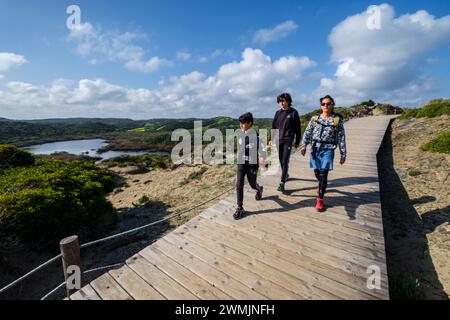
[[325, 133]]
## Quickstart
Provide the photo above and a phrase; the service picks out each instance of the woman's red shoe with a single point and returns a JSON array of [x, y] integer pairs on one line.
[[319, 205]]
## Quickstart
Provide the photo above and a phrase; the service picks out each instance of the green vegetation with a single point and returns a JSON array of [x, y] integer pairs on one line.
[[142, 201], [197, 175], [402, 288], [414, 172], [140, 141], [434, 108], [52, 199], [440, 144], [148, 161], [11, 156]]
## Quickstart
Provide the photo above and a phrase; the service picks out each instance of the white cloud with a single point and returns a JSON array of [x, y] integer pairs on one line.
[[96, 45], [2, 77], [218, 53], [281, 31], [203, 59], [381, 64], [10, 60], [149, 66], [184, 55], [252, 84]]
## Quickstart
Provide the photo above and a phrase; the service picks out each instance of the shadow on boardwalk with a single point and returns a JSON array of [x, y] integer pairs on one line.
[[411, 271], [350, 201]]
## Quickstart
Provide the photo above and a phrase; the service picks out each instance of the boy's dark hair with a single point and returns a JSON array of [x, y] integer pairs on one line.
[[285, 96], [246, 118], [327, 97]]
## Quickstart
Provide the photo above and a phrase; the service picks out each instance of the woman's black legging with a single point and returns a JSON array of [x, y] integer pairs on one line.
[[322, 177]]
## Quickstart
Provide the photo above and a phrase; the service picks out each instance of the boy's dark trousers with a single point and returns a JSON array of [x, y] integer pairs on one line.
[[249, 170], [284, 154]]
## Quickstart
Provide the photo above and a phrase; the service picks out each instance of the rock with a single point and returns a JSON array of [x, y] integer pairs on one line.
[[402, 174], [406, 124]]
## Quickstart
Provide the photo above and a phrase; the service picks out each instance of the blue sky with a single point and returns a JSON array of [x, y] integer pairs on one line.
[[150, 59]]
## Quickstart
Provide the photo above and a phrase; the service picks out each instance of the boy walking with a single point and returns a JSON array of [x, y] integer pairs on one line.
[[249, 145], [287, 121]]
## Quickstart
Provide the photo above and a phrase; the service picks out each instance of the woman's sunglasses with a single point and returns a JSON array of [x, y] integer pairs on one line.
[[327, 104]]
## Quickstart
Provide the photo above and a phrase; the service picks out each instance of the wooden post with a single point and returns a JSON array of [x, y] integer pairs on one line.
[[70, 250]]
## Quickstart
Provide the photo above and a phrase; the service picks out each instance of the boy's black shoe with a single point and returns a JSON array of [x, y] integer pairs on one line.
[[238, 214], [259, 193], [281, 187]]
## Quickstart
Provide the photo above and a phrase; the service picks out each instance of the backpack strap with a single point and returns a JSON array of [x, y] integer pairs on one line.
[[336, 120], [316, 119]]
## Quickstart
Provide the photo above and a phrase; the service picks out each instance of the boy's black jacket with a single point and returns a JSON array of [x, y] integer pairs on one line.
[[250, 148], [288, 122]]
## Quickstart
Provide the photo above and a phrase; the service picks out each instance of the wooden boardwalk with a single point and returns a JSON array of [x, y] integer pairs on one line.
[[283, 249]]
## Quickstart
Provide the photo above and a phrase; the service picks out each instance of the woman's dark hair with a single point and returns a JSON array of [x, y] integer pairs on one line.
[[285, 96], [246, 118], [327, 97]]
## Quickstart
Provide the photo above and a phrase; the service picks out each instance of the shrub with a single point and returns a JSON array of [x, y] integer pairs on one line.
[[10, 156], [434, 108], [404, 288], [414, 173], [146, 161], [53, 199], [196, 175], [440, 144], [142, 201]]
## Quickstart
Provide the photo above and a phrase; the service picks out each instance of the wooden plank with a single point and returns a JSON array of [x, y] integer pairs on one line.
[[166, 286], [331, 216], [335, 215], [135, 285], [188, 279], [282, 233], [235, 269], [262, 267], [86, 293], [303, 267], [108, 289], [229, 285], [347, 265], [327, 236]]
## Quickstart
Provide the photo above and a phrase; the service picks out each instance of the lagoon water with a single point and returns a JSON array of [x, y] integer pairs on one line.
[[78, 147]]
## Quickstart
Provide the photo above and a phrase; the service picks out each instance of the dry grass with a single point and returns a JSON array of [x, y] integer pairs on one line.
[[179, 189]]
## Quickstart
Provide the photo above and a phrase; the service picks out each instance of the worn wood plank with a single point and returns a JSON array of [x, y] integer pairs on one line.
[[234, 268], [220, 279], [108, 289], [135, 285], [165, 285], [302, 266], [86, 293], [198, 286]]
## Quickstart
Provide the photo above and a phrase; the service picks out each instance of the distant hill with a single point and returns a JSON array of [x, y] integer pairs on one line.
[[142, 133], [25, 132]]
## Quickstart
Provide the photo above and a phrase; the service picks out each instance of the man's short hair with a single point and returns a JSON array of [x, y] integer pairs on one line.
[[285, 96], [246, 118]]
